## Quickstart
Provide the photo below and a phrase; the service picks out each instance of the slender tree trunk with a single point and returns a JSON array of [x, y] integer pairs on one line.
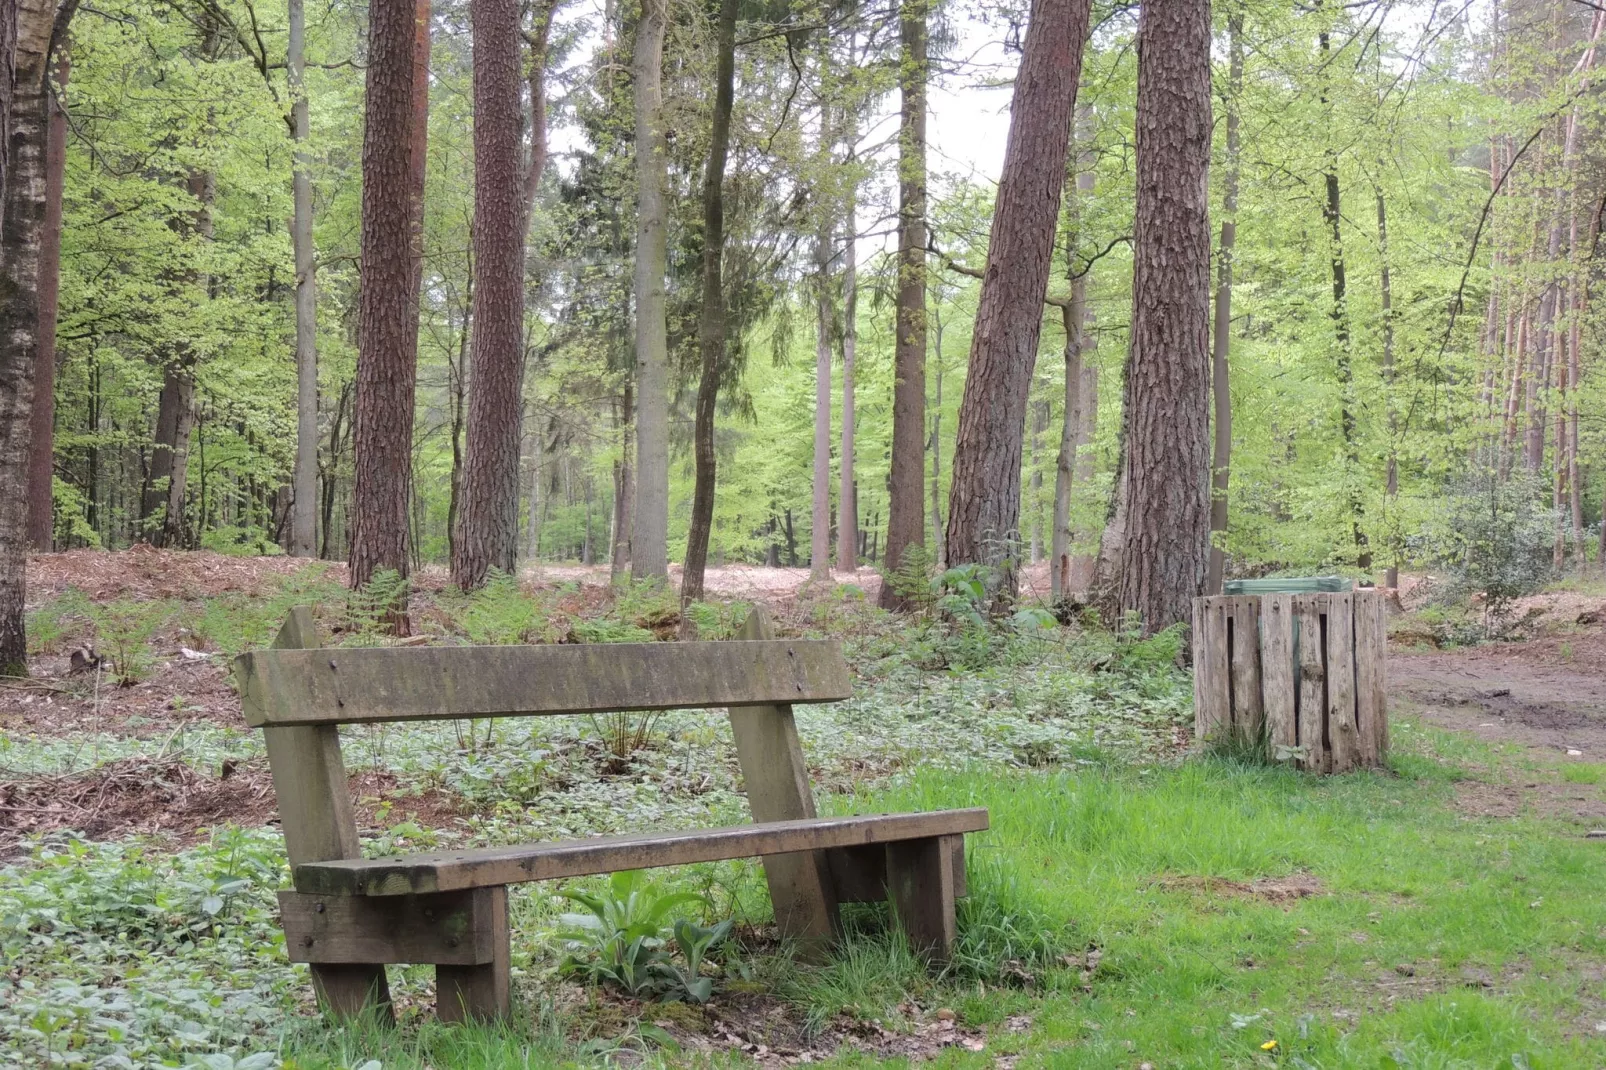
[[936, 449], [1391, 486], [649, 553], [984, 503], [303, 527], [1073, 316], [1164, 509], [1221, 383], [1039, 429], [21, 240], [41, 466], [624, 492], [820, 515], [487, 533], [382, 434], [537, 475], [711, 325], [847, 490], [905, 525]]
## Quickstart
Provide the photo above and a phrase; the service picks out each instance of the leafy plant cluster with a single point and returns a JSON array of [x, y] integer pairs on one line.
[[628, 939], [1496, 540]]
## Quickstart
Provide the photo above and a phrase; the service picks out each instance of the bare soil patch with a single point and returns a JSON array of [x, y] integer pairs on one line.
[[142, 797], [145, 572], [1267, 889]]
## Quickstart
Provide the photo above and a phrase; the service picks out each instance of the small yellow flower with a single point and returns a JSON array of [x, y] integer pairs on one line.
[[1270, 1045]]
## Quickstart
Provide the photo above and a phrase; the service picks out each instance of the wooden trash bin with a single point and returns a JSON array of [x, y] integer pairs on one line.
[[1301, 674]]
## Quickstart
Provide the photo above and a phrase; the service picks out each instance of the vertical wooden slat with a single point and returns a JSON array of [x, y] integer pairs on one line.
[[1308, 609], [777, 781], [1248, 713], [920, 885], [309, 780], [1371, 694], [481, 992], [1211, 713], [1341, 729], [1278, 679]]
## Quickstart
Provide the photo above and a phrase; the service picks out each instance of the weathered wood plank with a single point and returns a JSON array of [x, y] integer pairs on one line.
[[444, 871], [920, 887], [309, 781], [358, 686], [1371, 690], [1312, 712], [1248, 715], [1212, 714], [481, 992], [1277, 670], [453, 928], [860, 874], [776, 778], [1341, 729]]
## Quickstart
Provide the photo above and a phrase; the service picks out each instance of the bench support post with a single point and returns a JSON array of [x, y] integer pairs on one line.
[[777, 781], [309, 779], [920, 886], [483, 992]]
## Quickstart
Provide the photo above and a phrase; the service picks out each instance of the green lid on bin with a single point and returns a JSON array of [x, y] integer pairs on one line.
[[1288, 585]]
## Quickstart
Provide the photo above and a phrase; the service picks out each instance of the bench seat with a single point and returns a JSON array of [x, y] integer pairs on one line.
[[450, 871]]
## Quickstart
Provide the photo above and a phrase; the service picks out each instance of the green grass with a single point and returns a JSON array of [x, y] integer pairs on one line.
[[1436, 942], [1584, 773]]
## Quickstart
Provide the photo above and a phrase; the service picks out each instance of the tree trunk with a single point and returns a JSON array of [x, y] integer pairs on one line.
[[905, 525], [624, 492], [820, 516], [21, 239], [711, 324], [1221, 342], [487, 532], [41, 466], [1039, 429], [1391, 485], [1073, 317], [304, 526], [847, 490], [649, 553], [984, 503], [1163, 511], [936, 450], [537, 474], [382, 435]]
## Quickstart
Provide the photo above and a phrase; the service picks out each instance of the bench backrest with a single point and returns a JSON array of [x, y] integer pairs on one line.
[[299, 694], [365, 685]]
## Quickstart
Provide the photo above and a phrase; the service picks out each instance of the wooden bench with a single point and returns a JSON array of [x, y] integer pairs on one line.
[[348, 915]]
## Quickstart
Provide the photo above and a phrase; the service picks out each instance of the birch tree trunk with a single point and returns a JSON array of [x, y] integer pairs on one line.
[[649, 542], [303, 525], [711, 325], [984, 504]]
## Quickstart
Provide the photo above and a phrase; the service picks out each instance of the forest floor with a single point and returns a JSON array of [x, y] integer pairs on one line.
[[1129, 908]]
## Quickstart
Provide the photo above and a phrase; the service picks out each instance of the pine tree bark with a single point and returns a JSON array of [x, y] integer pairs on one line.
[[1221, 342], [21, 238], [487, 531], [711, 324], [905, 524], [649, 542], [42, 434], [1163, 508], [984, 503], [382, 433], [304, 479]]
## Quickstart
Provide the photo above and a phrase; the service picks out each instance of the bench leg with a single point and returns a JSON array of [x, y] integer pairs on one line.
[[346, 990], [920, 886], [479, 992]]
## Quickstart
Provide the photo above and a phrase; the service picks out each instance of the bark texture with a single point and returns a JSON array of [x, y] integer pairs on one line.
[[304, 523], [711, 323], [1072, 423], [487, 531], [905, 481], [984, 503], [382, 434], [1163, 515], [847, 543], [1221, 343], [20, 239], [41, 467], [649, 541]]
